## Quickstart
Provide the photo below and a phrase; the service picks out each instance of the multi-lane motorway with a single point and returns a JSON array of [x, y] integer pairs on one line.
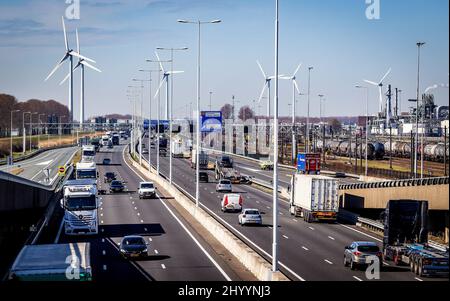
[[33, 168], [307, 251], [176, 251]]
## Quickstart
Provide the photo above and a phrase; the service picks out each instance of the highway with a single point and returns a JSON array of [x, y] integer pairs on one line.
[[176, 251], [33, 167], [310, 252]]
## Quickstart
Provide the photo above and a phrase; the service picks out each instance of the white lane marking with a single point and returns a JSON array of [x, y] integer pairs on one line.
[[142, 221], [311, 228], [285, 237], [104, 252], [163, 266], [44, 163], [135, 208], [357, 278], [257, 202], [332, 238], [145, 229], [139, 214], [101, 222], [295, 220], [105, 267], [156, 252], [377, 239], [281, 213], [386, 264], [150, 239], [267, 207], [228, 225], [103, 240], [327, 261], [418, 279], [101, 214], [305, 248], [103, 230]]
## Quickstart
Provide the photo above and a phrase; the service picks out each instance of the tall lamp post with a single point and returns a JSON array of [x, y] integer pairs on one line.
[[24, 135], [136, 117], [40, 130], [199, 23], [307, 118], [10, 137], [170, 104], [367, 123], [419, 45], [142, 117], [150, 118], [60, 127], [31, 127]]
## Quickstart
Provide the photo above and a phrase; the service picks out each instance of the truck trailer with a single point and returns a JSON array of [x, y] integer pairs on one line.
[[315, 198], [56, 262], [405, 240]]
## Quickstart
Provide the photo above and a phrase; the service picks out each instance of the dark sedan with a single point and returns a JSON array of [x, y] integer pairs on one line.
[[134, 246], [116, 186], [109, 177]]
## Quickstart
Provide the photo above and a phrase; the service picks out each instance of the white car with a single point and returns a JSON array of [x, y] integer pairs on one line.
[[224, 186], [232, 202], [250, 216], [147, 190]]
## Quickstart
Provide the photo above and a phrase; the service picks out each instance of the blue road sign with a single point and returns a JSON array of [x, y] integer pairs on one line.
[[211, 122]]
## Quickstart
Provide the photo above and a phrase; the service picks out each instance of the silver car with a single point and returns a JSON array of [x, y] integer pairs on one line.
[[224, 186], [250, 216], [359, 253]]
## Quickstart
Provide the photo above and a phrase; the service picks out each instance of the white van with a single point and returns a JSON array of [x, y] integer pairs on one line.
[[232, 202]]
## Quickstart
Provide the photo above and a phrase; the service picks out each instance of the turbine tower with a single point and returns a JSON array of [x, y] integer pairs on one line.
[[268, 80], [81, 63], [380, 90], [70, 54]]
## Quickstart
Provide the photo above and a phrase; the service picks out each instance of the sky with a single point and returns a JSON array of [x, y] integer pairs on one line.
[[335, 37]]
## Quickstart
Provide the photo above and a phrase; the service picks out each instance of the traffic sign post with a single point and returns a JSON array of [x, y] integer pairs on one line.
[[62, 171]]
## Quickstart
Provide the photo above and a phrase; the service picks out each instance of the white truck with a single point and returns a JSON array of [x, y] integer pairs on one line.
[[203, 160], [80, 203], [56, 262], [177, 149], [88, 153], [313, 197], [86, 170], [105, 140]]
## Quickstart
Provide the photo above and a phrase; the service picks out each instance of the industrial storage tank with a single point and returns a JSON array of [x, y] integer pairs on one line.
[[379, 150]]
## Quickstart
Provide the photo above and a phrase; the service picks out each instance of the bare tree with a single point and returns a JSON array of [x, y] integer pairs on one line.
[[246, 113], [227, 111]]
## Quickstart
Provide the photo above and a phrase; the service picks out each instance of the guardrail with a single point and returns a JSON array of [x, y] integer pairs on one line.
[[397, 183], [34, 154]]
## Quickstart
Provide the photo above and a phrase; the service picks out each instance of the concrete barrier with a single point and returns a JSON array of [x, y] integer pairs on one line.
[[255, 263]]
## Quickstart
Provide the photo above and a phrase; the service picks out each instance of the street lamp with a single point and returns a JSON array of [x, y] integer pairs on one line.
[[171, 105], [60, 127], [150, 118], [307, 119], [40, 129], [24, 148], [419, 45], [31, 126], [210, 100], [136, 119], [10, 135], [199, 23], [367, 123], [140, 136], [320, 105]]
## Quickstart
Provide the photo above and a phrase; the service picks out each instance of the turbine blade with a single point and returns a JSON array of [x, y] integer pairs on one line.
[[160, 63], [296, 70], [160, 86], [66, 42], [78, 42], [262, 93], [65, 79], [74, 53], [285, 77], [174, 72], [262, 70], [84, 63], [384, 77], [370, 82], [57, 66], [296, 86]]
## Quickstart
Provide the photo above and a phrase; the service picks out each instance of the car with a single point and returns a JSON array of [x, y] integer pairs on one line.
[[116, 186], [106, 161], [224, 186], [250, 216], [163, 152], [109, 177], [232, 202], [266, 165], [204, 178], [110, 144], [357, 254], [134, 246], [226, 162], [147, 190], [246, 180], [340, 175], [145, 151]]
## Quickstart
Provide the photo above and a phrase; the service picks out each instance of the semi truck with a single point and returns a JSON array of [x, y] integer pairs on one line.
[[86, 170], [227, 173], [203, 160], [116, 139], [177, 149], [88, 153], [56, 262], [80, 203], [308, 163], [405, 240], [313, 197]]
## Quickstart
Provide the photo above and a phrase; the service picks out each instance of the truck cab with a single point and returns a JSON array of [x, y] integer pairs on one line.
[[88, 153], [86, 170], [80, 203]]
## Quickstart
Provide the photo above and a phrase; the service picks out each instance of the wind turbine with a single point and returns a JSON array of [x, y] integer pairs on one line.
[[295, 88], [68, 55], [166, 75], [268, 80], [380, 87], [81, 63]]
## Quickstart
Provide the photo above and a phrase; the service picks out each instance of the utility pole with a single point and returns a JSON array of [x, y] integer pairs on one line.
[[419, 45]]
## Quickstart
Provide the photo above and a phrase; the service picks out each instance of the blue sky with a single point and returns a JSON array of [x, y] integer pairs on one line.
[[333, 36]]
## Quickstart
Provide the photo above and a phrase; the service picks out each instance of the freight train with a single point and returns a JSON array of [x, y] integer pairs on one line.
[[379, 150]]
